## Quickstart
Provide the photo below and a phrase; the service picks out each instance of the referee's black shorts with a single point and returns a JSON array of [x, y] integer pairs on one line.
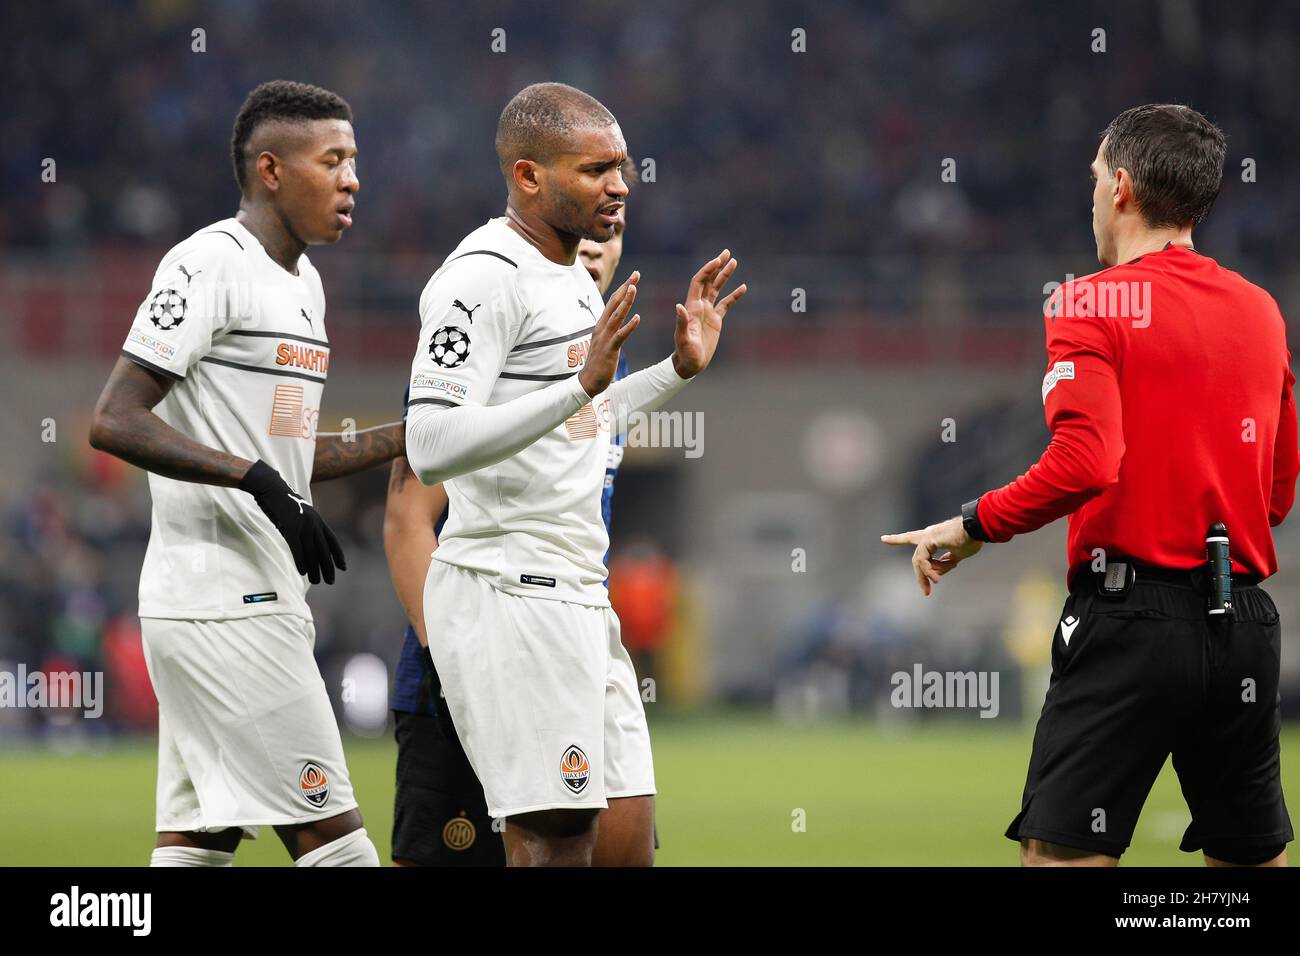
[[1146, 675], [440, 815]]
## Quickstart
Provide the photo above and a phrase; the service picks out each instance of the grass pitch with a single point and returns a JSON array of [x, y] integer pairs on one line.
[[732, 791]]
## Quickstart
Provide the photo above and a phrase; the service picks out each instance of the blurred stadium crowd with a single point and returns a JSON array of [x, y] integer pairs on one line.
[[822, 169], [835, 151]]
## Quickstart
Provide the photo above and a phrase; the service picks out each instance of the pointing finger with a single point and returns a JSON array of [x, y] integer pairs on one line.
[[907, 537]]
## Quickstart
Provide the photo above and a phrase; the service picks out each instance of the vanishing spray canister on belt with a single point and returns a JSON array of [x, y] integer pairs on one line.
[[1216, 553]]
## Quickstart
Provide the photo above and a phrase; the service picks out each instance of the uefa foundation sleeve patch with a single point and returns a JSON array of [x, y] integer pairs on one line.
[[1059, 371]]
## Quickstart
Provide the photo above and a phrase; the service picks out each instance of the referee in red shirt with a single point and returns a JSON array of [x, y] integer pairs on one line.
[[1169, 396]]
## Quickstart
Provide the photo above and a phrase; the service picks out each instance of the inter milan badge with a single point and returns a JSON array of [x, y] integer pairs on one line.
[[574, 769], [313, 783], [167, 309], [459, 833], [450, 346]]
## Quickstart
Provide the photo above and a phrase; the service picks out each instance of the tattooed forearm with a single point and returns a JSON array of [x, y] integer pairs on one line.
[[124, 425], [336, 457], [146, 441]]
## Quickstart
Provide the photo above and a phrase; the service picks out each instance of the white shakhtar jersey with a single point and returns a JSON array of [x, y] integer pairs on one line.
[[244, 342], [500, 320]]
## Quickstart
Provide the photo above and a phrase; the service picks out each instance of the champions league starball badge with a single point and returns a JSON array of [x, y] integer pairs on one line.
[[167, 309], [450, 346]]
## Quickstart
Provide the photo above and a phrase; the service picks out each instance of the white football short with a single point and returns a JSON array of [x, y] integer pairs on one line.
[[246, 734], [543, 695]]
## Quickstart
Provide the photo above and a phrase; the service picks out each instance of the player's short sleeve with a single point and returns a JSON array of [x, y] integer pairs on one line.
[[196, 293], [470, 318]]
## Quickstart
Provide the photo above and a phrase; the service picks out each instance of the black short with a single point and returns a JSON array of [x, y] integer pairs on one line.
[[1143, 676], [440, 816]]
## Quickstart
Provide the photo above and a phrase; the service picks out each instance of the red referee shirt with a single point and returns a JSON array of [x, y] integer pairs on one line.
[[1168, 393]]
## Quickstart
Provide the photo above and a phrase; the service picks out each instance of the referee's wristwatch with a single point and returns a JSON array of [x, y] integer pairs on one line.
[[970, 520]]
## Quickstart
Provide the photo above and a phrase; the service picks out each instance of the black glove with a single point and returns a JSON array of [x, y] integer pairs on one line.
[[315, 549]]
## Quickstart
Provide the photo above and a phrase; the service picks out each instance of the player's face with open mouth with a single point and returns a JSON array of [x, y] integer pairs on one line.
[[587, 186], [321, 181]]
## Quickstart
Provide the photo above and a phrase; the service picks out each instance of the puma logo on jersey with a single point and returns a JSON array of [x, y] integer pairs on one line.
[[304, 314], [186, 273], [301, 501], [1067, 628], [468, 311], [582, 303]]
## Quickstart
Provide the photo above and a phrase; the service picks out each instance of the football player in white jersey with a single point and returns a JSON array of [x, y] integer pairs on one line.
[[511, 408], [217, 395], [440, 817]]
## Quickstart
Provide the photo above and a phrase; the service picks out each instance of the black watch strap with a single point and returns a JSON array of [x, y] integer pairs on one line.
[[970, 520]]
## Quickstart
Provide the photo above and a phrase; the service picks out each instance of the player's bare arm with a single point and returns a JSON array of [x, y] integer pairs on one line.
[[124, 425], [410, 514], [339, 455], [939, 549], [699, 321]]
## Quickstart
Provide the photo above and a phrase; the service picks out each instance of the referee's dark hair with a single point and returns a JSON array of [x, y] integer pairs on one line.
[[1175, 156], [280, 100]]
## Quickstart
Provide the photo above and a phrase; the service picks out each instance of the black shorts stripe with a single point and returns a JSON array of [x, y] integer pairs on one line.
[[555, 341], [151, 367], [255, 333], [264, 371], [537, 378], [224, 233], [483, 252], [434, 401]]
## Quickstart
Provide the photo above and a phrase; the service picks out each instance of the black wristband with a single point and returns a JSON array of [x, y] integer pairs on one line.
[[262, 478], [970, 520]]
